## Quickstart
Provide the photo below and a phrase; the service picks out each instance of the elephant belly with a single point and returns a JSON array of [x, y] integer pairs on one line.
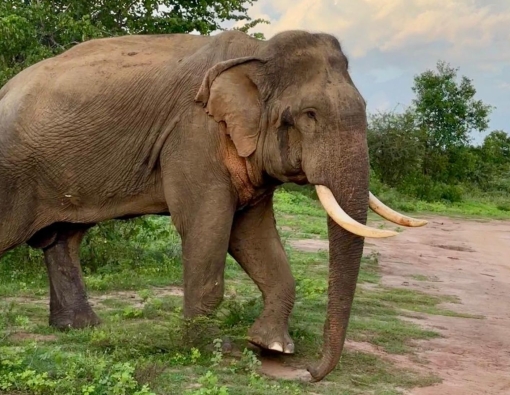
[[106, 204], [37, 203]]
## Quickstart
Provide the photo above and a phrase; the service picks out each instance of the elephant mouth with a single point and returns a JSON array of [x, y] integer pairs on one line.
[[336, 213]]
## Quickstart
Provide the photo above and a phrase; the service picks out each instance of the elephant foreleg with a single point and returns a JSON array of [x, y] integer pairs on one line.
[[69, 307], [256, 246], [204, 227]]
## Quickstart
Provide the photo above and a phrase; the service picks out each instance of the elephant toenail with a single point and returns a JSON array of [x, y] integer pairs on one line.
[[275, 346], [289, 348]]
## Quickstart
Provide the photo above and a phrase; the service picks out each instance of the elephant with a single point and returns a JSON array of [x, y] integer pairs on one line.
[[203, 129]]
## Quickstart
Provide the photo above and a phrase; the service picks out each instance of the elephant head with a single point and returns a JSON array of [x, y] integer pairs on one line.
[[292, 110]]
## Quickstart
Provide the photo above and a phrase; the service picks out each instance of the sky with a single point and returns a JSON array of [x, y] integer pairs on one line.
[[388, 42]]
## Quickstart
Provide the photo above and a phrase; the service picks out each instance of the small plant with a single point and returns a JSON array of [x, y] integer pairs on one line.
[[178, 359], [209, 386], [15, 375], [18, 373], [156, 303], [88, 389], [145, 294], [250, 361], [22, 321], [310, 288], [195, 355], [132, 312], [217, 353]]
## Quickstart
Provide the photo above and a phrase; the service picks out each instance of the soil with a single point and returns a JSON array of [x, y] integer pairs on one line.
[[133, 297], [98, 298], [20, 336], [276, 368], [468, 259]]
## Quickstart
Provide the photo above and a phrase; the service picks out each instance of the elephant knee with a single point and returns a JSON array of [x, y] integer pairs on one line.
[[212, 299], [203, 301]]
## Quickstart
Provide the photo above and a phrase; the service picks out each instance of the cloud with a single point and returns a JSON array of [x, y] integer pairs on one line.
[[385, 74], [504, 85], [395, 25]]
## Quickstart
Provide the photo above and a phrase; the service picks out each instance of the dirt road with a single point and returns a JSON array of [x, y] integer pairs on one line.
[[469, 259]]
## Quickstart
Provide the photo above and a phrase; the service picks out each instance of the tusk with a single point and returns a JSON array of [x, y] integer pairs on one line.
[[387, 213], [338, 215]]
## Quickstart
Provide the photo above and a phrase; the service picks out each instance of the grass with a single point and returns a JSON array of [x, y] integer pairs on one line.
[[473, 204], [421, 277], [142, 347]]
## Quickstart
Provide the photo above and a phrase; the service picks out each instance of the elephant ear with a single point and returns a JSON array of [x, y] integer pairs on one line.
[[231, 96]]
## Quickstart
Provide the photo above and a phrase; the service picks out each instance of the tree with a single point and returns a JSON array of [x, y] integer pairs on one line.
[[426, 151], [446, 109], [495, 154], [32, 30], [395, 147], [496, 148], [447, 113]]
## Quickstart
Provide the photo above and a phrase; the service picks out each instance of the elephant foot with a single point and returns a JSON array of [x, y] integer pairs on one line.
[[200, 332], [271, 337], [74, 318]]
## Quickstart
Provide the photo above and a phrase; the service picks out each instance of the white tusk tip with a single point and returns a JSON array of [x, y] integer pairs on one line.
[[391, 215]]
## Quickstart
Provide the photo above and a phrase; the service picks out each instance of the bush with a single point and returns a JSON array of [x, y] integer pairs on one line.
[[147, 246], [424, 188], [129, 243], [395, 146]]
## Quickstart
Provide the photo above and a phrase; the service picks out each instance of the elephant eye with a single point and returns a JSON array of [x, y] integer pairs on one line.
[[311, 114]]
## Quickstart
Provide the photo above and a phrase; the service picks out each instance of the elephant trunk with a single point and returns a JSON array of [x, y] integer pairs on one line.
[[345, 254], [351, 193]]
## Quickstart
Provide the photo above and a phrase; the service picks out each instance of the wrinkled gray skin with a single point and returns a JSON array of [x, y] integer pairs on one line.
[[201, 127]]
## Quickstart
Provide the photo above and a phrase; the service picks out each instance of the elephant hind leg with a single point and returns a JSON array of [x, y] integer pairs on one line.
[[69, 307]]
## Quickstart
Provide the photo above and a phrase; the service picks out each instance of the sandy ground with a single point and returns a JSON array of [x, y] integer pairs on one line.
[[471, 260]]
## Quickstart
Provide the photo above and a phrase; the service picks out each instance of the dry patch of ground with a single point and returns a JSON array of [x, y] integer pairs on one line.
[[466, 259]]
